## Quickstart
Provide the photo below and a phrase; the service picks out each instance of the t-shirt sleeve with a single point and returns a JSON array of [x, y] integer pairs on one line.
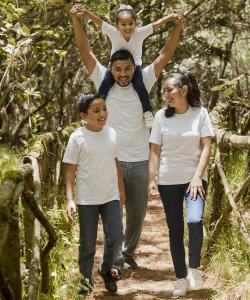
[[155, 135], [206, 128], [112, 134], [71, 154], [98, 74], [149, 77], [144, 31], [109, 30]]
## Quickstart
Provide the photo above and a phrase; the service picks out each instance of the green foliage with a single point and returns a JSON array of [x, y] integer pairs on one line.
[[9, 160]]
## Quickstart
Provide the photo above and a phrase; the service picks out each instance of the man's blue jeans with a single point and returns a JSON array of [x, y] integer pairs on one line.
[[172, 197], [88, 218], [135, 176]]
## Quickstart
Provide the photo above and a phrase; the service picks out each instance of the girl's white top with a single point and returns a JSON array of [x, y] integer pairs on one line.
[[134, 45], [94, 154], [179, 137]]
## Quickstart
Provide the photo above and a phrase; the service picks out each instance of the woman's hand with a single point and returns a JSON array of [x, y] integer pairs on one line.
[[153, 193], [195, 187]]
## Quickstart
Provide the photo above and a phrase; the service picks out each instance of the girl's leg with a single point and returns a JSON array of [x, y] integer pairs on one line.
[[195, 209], [112, 226], [88, 219], [106, 84], [141, 90], [172, 198]]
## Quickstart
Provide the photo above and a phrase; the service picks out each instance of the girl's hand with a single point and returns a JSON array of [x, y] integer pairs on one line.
[[177, 18], [195, 187], [71, 209], [153, 193]]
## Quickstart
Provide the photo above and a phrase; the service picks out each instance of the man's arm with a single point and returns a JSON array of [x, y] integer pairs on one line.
[[169, 48], [82, 42]]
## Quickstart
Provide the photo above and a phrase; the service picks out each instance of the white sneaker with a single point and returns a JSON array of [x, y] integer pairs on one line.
[[195, 279], [181, 287], [148, 119]]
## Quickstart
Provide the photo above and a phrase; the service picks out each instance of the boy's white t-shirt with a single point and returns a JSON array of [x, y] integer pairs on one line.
[[134, 45], [94, 154], [179, 137], [125, 115]]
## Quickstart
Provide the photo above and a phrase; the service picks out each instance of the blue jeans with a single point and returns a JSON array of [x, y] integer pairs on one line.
[[135, 176], [172, 197], [138, 85], [88, 218]]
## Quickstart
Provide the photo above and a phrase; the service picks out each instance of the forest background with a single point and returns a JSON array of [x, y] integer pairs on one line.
[[42, 74]]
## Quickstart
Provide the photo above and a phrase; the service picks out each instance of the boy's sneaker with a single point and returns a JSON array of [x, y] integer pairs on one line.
[[86, 287], [181, 287], [109, 281], [195, 279], [116, 273], [130, 263], [148, 119]]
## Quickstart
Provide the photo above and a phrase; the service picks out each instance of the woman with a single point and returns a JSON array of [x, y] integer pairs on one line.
[[180, 140]]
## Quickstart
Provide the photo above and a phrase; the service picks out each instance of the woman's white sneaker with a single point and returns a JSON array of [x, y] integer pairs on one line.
[[181, 287], [195, 280]]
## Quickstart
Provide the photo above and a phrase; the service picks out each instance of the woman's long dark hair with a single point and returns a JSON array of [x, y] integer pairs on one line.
[[193, 93]]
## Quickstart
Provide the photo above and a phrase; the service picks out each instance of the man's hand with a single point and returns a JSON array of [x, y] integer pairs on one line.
[[71, 209]]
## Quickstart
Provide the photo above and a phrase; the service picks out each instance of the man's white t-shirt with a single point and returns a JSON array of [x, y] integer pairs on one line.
[[134, 45], [125, 115], [179, 137], [94, 154]]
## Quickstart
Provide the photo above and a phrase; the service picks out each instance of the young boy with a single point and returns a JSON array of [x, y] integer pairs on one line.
[[92, 167]]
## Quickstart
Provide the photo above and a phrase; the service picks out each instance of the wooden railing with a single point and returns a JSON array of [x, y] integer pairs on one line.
[[37, 183]]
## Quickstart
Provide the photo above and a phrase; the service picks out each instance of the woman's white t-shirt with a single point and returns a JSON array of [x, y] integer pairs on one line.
[[179, 137], [94, 154], [135, 43]]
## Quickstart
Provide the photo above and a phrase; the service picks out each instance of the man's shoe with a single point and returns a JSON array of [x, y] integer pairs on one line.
[[148, 119], [130, 263], [109, 281], [181, 287], [86, 287], [195, 280]]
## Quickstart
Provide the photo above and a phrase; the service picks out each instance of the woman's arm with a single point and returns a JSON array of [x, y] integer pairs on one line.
[[153, 166], [196, 182]]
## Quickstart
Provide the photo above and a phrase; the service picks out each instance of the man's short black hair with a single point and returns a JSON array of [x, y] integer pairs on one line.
[[122, 55]]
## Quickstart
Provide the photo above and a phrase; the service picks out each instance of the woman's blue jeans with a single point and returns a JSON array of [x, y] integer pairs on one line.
[[172, 197], [88, 218]]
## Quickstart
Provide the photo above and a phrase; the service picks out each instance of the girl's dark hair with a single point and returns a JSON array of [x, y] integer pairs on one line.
[[124, 10], [193, 93], [85, 100]]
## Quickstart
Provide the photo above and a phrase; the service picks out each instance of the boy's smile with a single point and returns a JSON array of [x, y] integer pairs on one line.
[[96, 115]]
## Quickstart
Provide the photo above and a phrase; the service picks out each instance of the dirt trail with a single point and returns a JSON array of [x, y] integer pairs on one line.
[[154, 279]]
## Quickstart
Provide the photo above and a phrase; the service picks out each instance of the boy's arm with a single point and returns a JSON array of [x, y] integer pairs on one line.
[[120, 183], [168, 50], [82, 42], [70, 173]]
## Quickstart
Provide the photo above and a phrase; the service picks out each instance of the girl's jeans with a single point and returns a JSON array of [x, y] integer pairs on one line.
[[172, 197]]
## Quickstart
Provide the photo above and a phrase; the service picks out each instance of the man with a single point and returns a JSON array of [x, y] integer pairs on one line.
[[126, 117]]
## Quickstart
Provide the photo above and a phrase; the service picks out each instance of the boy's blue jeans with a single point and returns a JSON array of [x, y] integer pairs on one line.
[[138, 85], [88, 218], [172, 197]]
